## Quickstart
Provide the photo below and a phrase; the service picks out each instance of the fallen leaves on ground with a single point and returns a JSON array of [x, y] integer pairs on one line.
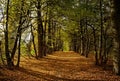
[[59, 66]]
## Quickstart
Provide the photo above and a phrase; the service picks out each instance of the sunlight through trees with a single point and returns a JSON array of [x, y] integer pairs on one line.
[[37, 28]]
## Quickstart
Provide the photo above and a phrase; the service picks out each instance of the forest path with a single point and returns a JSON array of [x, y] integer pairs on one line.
[[60, 66]]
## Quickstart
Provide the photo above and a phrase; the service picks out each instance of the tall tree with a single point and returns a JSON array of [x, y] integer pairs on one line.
[[116, 26], [9, 62], [21, 21], [101, 31], [40, 29]]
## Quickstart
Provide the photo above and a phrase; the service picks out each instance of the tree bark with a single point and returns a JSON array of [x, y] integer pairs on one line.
[[19, 49], [18, 33], [95, 47], [39, 30], [116, 26], [101, 32], [9, 62]]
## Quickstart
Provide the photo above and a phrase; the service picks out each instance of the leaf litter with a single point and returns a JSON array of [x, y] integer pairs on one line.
[[59, 66]]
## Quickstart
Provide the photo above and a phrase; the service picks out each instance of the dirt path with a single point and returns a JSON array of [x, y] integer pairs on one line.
[[60, 66]]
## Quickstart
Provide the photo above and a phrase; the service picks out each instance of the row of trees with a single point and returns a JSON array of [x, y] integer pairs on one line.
[[93, 29], [90, 28], [38, 18], [96, 28], [87, 25]]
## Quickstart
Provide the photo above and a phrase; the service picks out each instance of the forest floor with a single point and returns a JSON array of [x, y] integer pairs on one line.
[[60, 66]]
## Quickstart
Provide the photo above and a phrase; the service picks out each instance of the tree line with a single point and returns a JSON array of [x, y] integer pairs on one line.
[[35, 17]]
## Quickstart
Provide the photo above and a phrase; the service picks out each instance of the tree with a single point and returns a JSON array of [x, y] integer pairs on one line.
[[19, 29], [101, 32], [116, 26], [39, 29], [9, 61]]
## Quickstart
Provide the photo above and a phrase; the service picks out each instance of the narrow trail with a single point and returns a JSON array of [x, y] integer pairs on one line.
[[61, 66]]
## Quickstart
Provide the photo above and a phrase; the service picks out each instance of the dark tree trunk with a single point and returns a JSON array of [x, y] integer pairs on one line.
[[39, 30], [19, 49], [9, 62], [95, 46], [82, 38], [116, 20], [18, 33], [101, 32], [15, 46]]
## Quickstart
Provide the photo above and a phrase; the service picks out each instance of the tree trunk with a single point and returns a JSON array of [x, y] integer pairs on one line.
[[116, 20], [15, 46], [18, 33], [9, 63], [1, 52], [39, 30], [95, 47], [19, 49], [101, 32], [82, 38]]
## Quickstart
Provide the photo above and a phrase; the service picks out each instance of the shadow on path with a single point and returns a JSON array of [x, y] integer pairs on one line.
[[46, 77], [60, 66]]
